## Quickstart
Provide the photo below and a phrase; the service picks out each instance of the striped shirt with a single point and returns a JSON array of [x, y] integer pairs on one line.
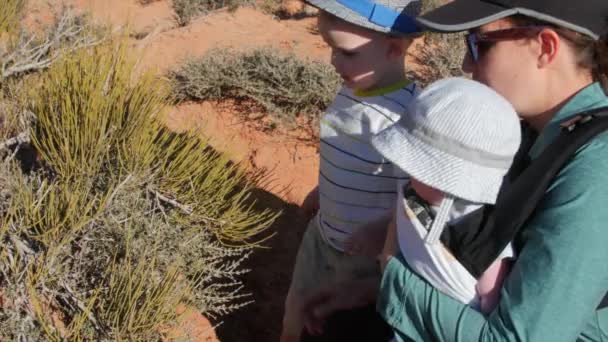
[[357, 185]]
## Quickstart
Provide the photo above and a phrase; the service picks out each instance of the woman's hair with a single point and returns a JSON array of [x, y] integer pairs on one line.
[[592, 55]]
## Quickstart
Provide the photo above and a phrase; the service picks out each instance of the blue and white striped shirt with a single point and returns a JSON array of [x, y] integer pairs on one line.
[[357, 185]]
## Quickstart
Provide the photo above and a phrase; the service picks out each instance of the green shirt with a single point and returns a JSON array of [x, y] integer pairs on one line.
[[560, 275]]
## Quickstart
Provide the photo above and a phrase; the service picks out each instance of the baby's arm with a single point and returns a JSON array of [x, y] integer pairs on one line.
[[490, 283]]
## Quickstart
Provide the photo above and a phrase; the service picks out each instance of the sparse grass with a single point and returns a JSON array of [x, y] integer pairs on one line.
[[186, 10], [441, 55], [121, 220], [10, 13], [282, 84]]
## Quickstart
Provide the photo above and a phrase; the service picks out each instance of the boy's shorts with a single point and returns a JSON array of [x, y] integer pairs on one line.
[[319, 265]]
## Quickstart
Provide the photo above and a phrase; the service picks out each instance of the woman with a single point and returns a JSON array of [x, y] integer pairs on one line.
[[549, 58]]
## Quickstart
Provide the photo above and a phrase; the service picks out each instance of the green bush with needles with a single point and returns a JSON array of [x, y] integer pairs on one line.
[[118, 220]]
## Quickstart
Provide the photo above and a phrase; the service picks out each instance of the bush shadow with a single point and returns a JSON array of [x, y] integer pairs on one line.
[[270, 275]]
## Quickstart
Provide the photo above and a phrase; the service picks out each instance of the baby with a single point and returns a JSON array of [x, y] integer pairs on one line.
[[457, 141]]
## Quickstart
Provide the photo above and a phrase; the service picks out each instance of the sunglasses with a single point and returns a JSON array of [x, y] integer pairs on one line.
[[478, 43]]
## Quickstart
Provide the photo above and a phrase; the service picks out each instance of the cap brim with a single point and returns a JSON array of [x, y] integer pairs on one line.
[[340, 11], [462, 15]]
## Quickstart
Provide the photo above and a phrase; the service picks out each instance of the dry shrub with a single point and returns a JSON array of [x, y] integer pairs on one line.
[[286, 9], [147, 2], [27, 52], [120, 221], [186, 10], [441, 55], [282, 84], [272, 7]]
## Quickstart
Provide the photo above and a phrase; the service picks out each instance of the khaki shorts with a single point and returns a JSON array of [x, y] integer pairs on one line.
[[319, 265]]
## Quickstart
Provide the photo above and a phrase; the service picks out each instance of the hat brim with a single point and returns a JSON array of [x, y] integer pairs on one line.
[[463, 15], [445, 172], [340, 11]]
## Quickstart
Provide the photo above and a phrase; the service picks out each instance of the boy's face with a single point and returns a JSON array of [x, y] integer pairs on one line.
[[360, 56]]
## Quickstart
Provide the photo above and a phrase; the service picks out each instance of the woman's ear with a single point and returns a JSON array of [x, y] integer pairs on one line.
[[550, 44], [397, 47]]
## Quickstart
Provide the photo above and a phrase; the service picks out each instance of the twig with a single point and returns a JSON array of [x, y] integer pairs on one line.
[[20, 246], [81, 306], [172, 202], [21, 138], [118, 187], [186, 209]]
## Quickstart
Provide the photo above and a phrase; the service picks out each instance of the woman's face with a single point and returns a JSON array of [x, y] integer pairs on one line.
[[510, 67]]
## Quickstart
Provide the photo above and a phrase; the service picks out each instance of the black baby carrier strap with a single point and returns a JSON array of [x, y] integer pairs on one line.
[[478, 239]]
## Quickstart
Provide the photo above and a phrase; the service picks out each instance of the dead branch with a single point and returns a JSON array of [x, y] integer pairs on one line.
[[20, 139], [68, 33], [186, 209], [170, 201], [72, 296], [21, 247]]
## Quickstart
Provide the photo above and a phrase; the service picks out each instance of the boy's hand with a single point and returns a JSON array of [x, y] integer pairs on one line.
[[310, 206]]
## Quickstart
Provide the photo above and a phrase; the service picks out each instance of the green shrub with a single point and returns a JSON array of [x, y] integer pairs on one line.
[[186, 10], [441, 55], [11, 103], [120, 220], [281, 84]]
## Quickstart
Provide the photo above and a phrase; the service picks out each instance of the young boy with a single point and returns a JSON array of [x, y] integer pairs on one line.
[[457, 142], [369, 41]]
